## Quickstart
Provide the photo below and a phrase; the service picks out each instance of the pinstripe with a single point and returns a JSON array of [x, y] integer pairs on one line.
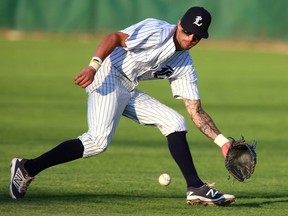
[[146, 110], [105, 107]]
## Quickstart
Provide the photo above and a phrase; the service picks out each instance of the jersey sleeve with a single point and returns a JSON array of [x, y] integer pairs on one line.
[[185, 86]]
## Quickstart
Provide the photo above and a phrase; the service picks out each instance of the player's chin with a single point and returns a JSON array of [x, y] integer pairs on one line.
[[188, 46]]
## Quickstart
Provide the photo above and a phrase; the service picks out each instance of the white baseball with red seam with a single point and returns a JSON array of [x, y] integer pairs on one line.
[[164, 179]]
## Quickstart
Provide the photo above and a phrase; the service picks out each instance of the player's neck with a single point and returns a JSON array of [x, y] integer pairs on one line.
[[177, 45]]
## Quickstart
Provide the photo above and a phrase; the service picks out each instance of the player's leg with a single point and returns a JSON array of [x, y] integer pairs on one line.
[[23, 171], [148, 111], [104, 114], [105, 107]]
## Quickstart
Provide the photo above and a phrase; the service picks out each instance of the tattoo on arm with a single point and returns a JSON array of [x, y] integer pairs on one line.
[[201, 119]]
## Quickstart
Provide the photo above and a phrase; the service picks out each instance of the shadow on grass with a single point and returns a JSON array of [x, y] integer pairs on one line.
[[259, 199], [89, 197], [251, 200], [77, 196], [258, 204]]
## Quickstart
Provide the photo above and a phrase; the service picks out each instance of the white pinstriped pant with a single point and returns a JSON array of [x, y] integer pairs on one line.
[[114, 98]]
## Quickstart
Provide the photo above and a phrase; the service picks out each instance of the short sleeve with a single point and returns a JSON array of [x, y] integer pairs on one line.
[[186, 86]]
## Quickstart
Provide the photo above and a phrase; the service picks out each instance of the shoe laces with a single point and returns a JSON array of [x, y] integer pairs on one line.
[[211, 185], [25, 183]]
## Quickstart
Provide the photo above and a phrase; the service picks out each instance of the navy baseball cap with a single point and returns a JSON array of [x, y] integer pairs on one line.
[[196, 21]]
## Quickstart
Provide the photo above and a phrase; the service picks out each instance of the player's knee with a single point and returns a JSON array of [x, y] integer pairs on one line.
[[95, 150], [180, 123], [93, 145], [176, 123]]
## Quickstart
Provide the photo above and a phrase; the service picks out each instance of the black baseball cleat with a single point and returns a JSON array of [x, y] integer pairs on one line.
[[20, 180], [207, 196]]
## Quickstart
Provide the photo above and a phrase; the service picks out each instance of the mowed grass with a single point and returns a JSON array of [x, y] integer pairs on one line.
[[245, 92]]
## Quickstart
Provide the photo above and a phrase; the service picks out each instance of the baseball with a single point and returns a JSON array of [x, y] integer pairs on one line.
[[164, 179]]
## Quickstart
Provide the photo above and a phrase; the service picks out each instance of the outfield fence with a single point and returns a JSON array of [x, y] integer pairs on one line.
[[254, 19]]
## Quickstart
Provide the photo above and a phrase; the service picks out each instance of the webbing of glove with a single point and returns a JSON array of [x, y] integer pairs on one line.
[[241, 159]]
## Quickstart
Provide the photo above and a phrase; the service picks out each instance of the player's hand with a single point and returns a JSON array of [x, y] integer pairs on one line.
[[225, 149], [85, 77]]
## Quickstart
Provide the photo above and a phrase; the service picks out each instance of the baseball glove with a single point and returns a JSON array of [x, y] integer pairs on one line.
[[241, 159]]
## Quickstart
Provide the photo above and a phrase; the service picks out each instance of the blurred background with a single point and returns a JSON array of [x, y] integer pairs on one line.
[[232, 19], [243, 80]]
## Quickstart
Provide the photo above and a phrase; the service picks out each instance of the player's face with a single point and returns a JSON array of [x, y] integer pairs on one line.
[[185, 40]]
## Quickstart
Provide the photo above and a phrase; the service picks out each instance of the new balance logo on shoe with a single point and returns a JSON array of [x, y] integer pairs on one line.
[[208, 196], [212, 192], [18, 179]]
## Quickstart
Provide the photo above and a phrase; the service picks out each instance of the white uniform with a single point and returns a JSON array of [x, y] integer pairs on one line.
[[150, 54]]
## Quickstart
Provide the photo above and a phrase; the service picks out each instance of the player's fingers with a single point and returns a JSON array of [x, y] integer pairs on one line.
[[85, 77], [85, 85], [81, 75], [77, 81], [84, 82], [81, 81], [225, 149], [79, 78], [76, 78]]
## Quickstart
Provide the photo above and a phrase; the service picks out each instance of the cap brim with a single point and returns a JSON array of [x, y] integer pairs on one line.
[[200, 33], [196, 31]]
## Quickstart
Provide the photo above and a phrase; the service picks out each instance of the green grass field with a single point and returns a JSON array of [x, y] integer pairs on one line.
[[245, 92]]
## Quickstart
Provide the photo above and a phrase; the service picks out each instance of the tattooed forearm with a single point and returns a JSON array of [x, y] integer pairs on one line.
[[201, 119], [206, 125]]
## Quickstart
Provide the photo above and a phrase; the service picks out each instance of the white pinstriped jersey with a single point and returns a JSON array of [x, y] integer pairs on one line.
[[151, 54]]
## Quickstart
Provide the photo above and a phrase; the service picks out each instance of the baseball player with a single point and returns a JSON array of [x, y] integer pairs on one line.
[[151, 49]]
